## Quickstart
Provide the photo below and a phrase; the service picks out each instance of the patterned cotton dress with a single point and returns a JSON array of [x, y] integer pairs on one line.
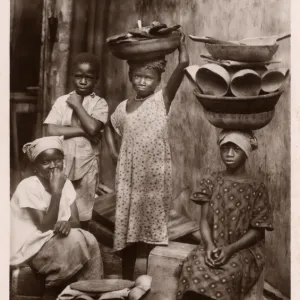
[[234, 207], [143, 179]]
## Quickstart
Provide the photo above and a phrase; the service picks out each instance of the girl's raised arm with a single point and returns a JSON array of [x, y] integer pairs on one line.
[[177, 76]]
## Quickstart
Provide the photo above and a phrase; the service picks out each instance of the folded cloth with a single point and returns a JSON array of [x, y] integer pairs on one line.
[[70, 294], [137, 293], [102, 285], [122, 294], [83, 297], [36, 147], [142, 286]]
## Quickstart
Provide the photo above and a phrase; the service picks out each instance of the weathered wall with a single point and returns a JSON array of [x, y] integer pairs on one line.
[[193, 139], [25, 29]]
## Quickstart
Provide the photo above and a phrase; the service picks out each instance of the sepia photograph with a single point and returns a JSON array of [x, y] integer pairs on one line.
[[150, 149]]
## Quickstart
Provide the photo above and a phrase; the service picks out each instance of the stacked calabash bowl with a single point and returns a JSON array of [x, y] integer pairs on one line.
[[146, 49], [237, 87], [145, 43]]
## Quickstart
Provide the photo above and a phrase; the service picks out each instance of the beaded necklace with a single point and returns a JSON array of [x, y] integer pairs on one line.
[[141, 99]]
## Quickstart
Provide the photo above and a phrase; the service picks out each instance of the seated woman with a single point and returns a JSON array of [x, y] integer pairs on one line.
[[235, 213], [45, 231]]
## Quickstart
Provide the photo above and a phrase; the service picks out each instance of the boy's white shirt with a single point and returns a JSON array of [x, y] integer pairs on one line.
[[79, 152], [61, 112]]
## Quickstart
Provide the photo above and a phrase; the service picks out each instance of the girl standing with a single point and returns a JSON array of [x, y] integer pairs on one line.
[[235, 213], [45, 231], [143, 179]]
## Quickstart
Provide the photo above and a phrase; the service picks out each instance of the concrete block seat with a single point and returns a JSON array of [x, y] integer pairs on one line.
[[163, 265]]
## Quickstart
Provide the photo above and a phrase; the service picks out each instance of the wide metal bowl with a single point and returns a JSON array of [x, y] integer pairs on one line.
[[238, 105], [102, 285], [239, 121], [244, 53], [146, 49]]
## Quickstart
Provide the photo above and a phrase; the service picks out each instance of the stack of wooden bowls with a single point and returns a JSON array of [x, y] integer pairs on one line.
[[145, 43], [146, 49], [236, 86]]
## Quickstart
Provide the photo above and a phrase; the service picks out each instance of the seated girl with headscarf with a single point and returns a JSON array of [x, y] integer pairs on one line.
[[45, 231], [235, 213]]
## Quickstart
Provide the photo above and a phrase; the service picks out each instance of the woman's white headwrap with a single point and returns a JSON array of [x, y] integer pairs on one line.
[[243, 139], [36, 147]]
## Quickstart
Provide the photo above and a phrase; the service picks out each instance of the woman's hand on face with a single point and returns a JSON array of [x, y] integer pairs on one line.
[[57, 181], [62, 227], [224, 254]]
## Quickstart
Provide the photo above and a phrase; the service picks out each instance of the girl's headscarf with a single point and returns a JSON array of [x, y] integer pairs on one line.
[[158, 65], [36, 147], [244, 139]]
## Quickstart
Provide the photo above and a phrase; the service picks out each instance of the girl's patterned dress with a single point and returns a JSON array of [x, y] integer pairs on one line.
[[234, 207], [143, 179]]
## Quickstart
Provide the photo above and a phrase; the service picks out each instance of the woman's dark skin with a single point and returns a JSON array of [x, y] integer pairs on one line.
[[85, 79], [144, 82], [234, 159], [48, 168]]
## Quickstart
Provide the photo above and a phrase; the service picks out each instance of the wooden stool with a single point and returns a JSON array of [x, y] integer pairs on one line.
[[163, 265]]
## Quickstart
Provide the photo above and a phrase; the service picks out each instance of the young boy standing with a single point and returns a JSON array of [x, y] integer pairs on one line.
[[80, 117]]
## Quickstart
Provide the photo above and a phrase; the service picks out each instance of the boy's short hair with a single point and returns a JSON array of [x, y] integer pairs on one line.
[[88, 58]]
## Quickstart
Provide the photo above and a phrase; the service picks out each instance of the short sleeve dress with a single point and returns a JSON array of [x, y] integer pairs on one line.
[[235, 206], [54, 257], [143, 178], [25, 239]]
